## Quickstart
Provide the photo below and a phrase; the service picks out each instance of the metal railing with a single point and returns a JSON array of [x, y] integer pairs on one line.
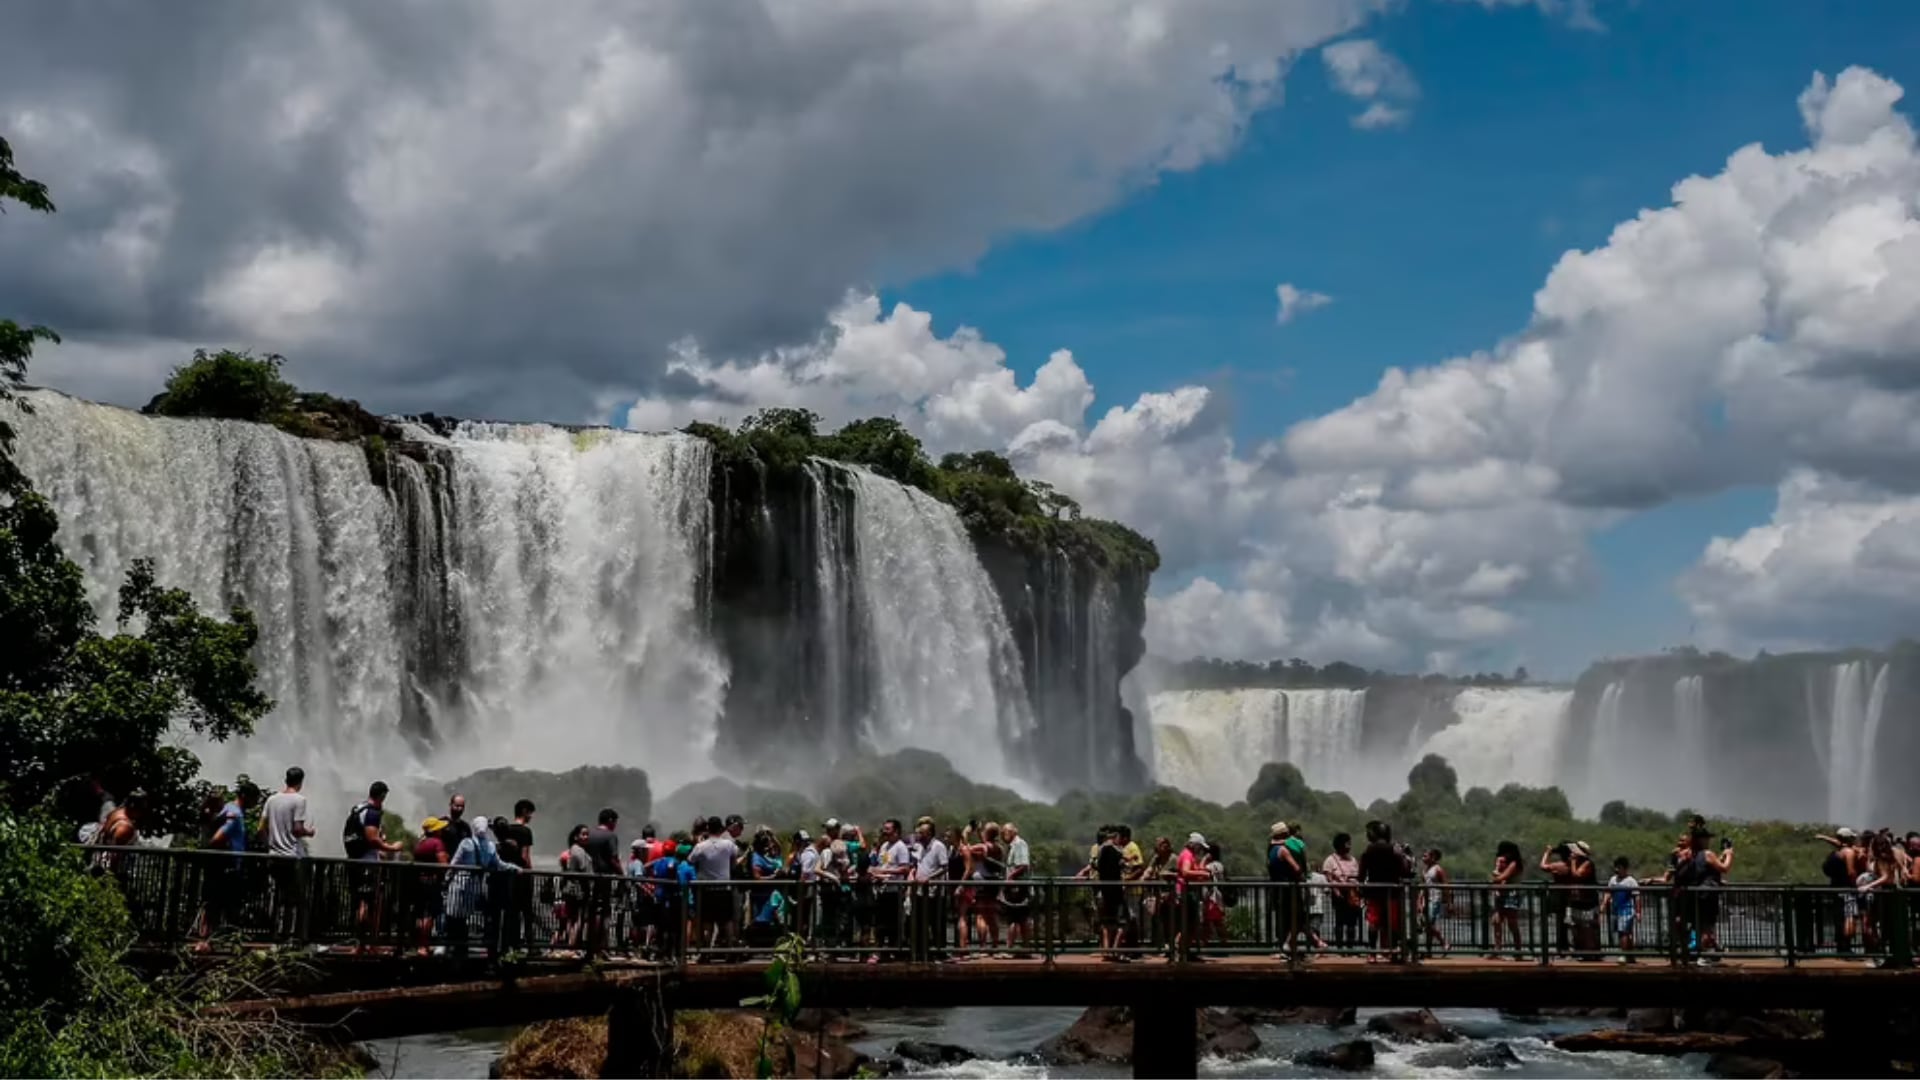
[[209, 898]]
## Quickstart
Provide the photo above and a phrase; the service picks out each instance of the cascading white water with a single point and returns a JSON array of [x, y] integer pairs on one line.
[[571, 560], [577, 566], [1212, 743], [1690, 718], [236, 512], [1856, 700], [831, 573], [1505, 736], [946, 676]]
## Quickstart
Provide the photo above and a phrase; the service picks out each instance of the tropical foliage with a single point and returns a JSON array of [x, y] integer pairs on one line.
[[983, 487]]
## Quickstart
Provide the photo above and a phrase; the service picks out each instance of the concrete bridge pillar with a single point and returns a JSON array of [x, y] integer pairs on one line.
[[639, 1034], [1166, 1039]]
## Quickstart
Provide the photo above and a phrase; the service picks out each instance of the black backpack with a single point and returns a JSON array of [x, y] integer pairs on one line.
[[354, 834]]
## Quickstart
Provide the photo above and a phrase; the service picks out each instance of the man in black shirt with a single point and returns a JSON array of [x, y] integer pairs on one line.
[[1382, 871], [458, 827], [603, 847], [518, 834]]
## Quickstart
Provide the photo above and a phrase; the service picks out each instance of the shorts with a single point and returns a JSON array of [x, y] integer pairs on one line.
[[1582, 916], [1506, 900], [716, 906], [1113, 906], [1623, 924], [365, 876], [1435, 911], [429, 901]]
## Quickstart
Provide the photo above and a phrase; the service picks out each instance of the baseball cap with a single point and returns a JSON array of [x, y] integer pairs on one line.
[[1279, 829], [803, 836], [1845, 833], [433, 825], [830, 823]]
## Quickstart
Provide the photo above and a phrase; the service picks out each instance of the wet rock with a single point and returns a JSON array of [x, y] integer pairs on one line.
[[1318, 1015], [1105, 1034], [1418, 1025], [933, 1053], [1742, 1067], [1224, 1035], [1353, 1056], [1655, 1021], [1491, 1055]]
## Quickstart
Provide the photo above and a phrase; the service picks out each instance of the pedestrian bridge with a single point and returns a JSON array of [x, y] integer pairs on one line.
[[399, 948]]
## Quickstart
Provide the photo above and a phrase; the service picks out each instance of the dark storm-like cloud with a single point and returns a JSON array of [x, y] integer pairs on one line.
[[516, 210]]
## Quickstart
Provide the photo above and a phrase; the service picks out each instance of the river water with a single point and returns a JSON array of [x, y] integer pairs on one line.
[[1005, 1039]]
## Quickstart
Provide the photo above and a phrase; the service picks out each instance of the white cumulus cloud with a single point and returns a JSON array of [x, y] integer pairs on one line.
[[1295, 302], [1365, 72]]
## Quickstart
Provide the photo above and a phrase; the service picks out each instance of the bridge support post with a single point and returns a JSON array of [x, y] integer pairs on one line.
[[1166, 1039], [639, 1034]]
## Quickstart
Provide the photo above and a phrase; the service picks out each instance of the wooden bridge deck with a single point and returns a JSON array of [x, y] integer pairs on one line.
[[545, 992]]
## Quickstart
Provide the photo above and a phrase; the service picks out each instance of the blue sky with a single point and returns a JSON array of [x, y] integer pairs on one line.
[[1529, 137]]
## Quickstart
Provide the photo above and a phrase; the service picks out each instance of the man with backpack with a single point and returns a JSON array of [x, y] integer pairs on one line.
[[361, 837]]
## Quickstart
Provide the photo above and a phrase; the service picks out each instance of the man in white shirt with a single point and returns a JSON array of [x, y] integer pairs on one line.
[[286, 818], [933, 854], [712, 860], [288, 827], [895, 866]]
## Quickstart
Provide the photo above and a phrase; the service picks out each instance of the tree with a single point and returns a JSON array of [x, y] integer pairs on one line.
[[228, 385], [1520, 674], [17, 341], [76, 706]]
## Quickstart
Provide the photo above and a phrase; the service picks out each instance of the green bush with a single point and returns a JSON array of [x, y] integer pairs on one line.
[[228, 385], [69, 1006]]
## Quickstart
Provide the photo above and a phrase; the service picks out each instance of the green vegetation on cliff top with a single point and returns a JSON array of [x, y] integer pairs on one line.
[[990, 497]]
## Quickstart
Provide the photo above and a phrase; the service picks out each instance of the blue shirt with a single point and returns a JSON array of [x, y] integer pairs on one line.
[[232, 834]]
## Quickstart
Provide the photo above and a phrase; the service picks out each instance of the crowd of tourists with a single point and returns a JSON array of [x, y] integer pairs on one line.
[[842, 887]]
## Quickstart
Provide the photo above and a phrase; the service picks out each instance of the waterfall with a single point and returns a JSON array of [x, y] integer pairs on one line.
[[1505, 736], [236, 512], [1212, 743], [1690, 717], [832, 573], [577, 572], [1855, 705], [945, 673], [529, 598]]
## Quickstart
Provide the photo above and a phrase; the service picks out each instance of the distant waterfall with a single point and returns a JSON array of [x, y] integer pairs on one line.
[[1508, 736], [1856, 700], [1690, 717], [946, 676], [1212, 743]]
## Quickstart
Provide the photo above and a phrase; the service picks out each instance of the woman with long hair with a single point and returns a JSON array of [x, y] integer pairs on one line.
[[1508, 865], [576, 864], [959, 877]]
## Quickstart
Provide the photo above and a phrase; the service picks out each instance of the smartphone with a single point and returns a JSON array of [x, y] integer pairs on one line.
[[1726, 842]]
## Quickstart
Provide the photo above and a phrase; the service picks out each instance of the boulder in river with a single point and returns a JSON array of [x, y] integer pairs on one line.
[[1104, 1034], [1417, 1025], [1318, 1015], [933, 1053], [1487, 1055], [1355, 1055], [1742, 1067], [1653, 1021]]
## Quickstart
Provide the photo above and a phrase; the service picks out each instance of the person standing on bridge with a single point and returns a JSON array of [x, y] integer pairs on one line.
[[365, 844], [430, 884], [516, 846], [1842, 868], [288, 826], [1507, 868], [458, 827], [1343, 878], [603, 849], [1382, 872], [713, 859]]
